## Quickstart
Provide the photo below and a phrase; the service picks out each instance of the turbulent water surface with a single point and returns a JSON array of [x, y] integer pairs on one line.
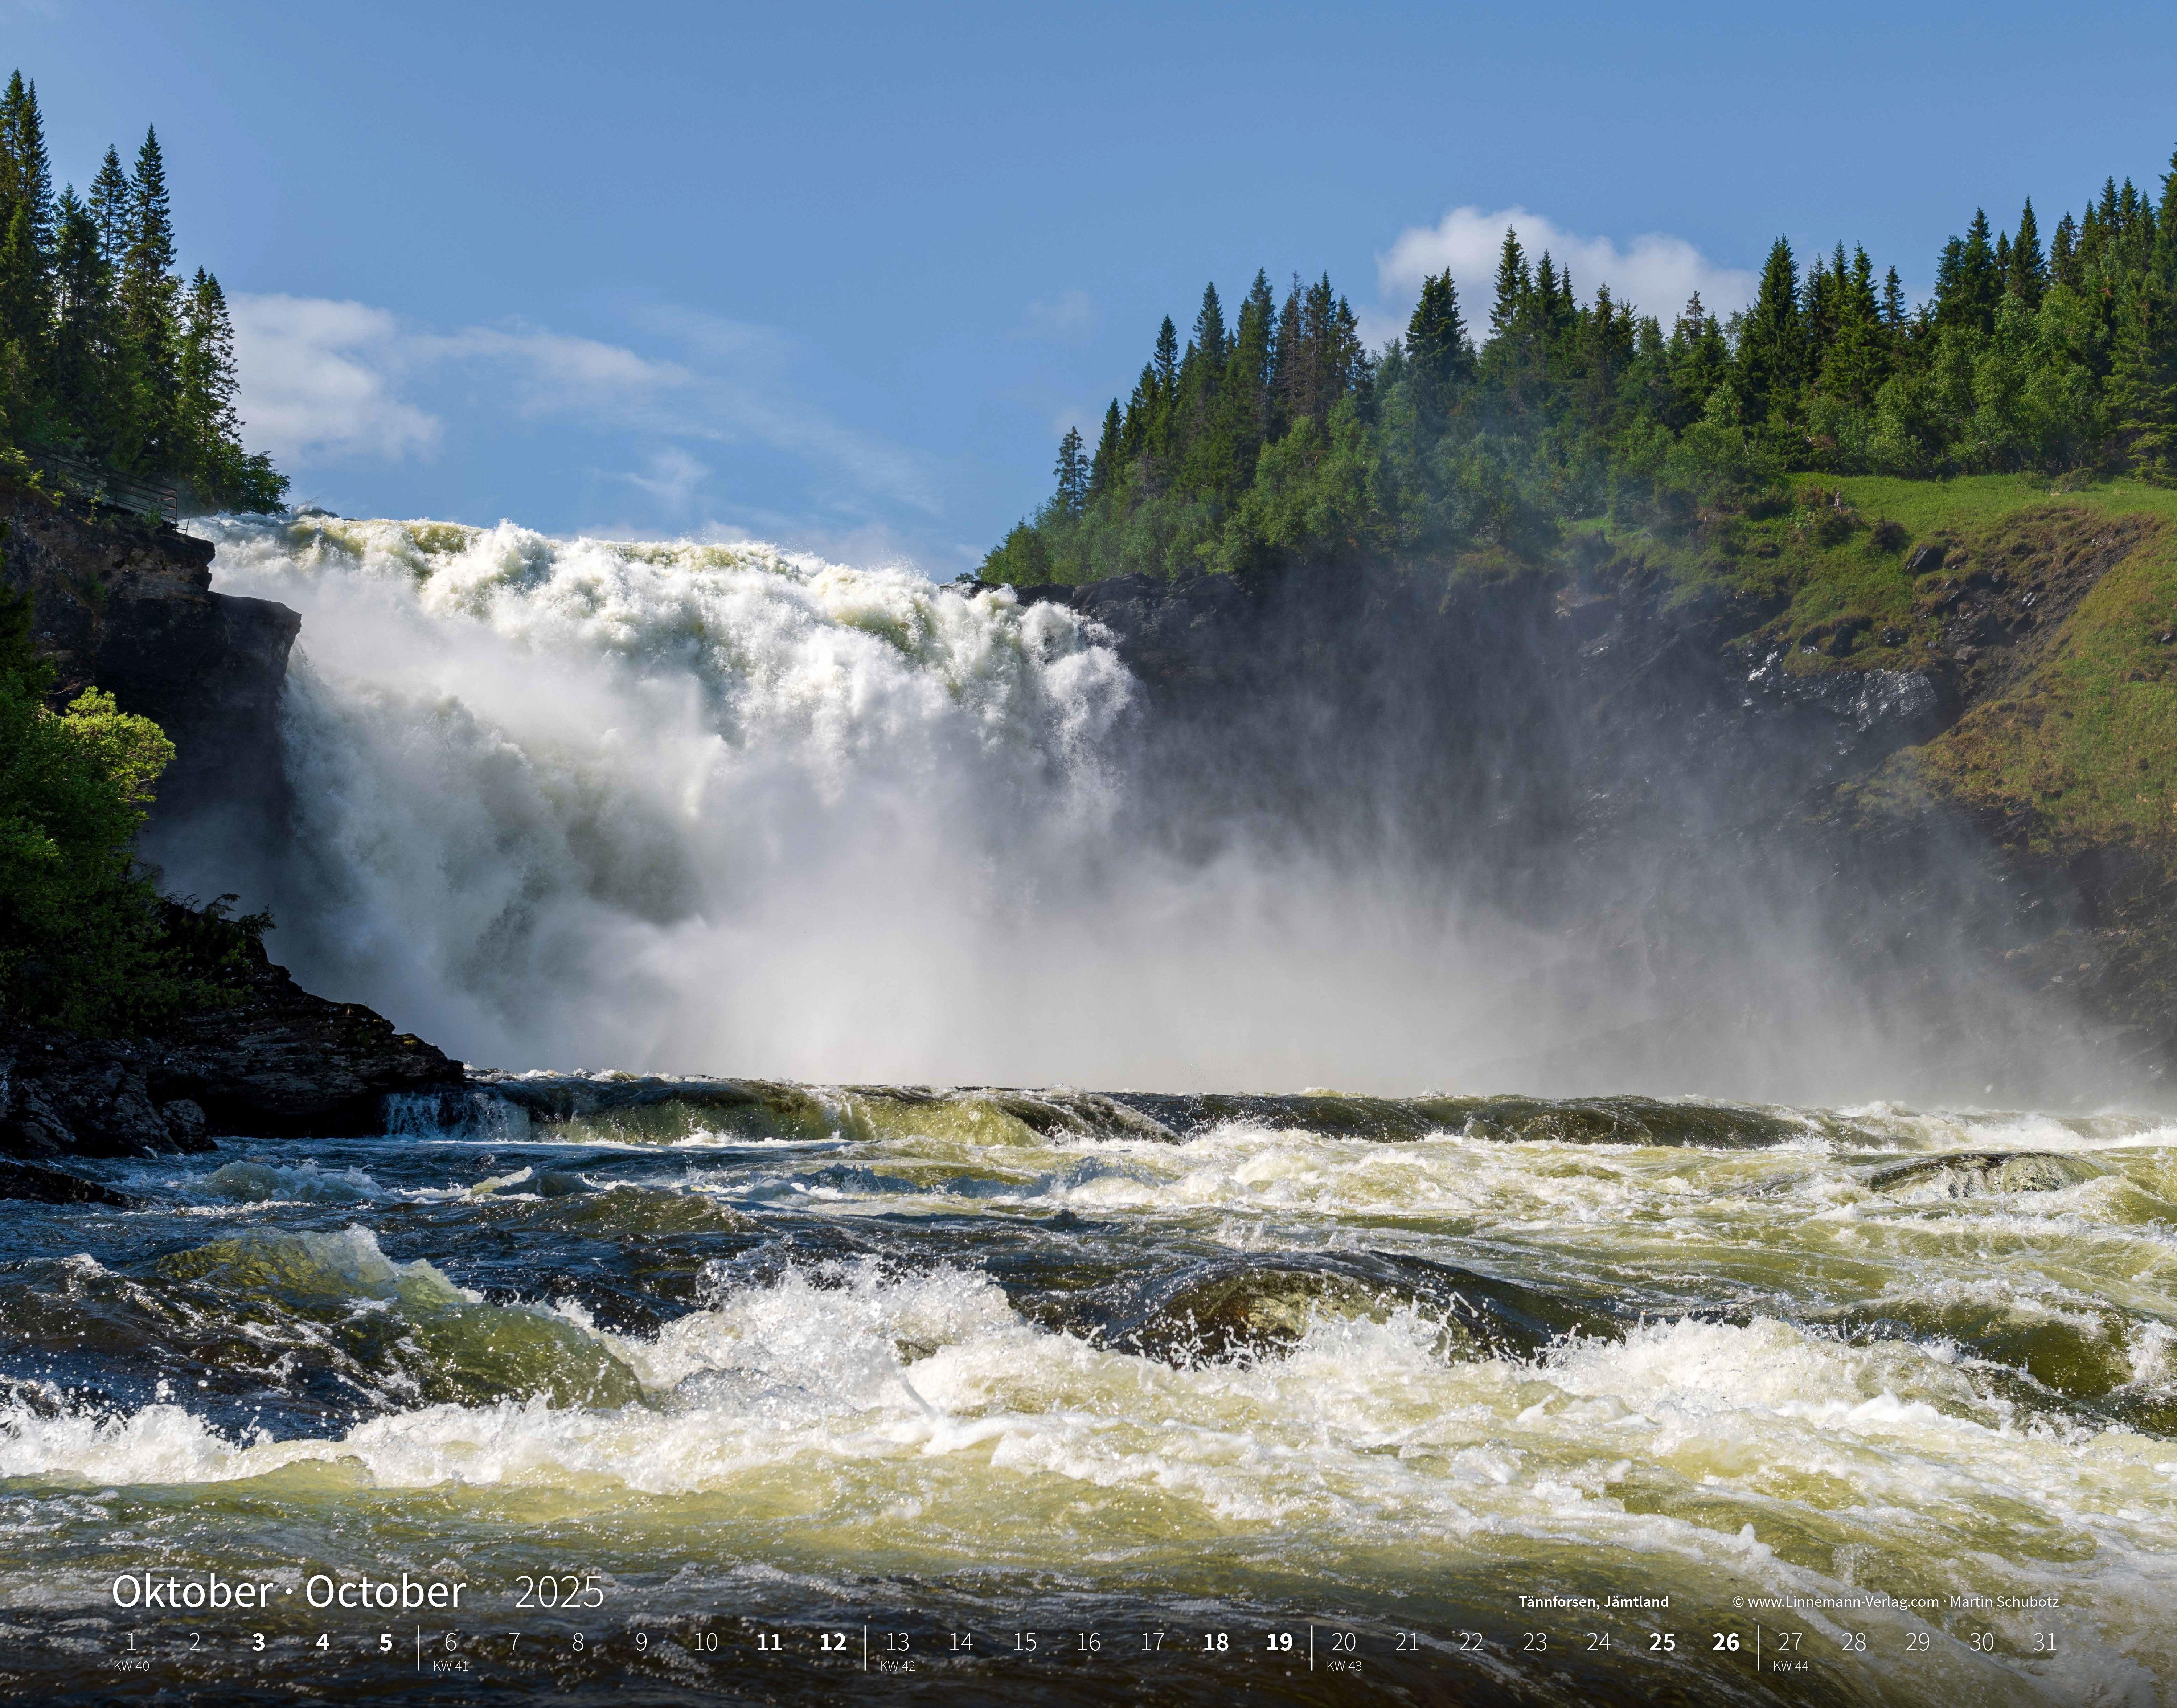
[[800, 1392], [753, 1363]]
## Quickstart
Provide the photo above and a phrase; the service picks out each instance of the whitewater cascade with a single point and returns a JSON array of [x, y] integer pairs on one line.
[[721, 807]]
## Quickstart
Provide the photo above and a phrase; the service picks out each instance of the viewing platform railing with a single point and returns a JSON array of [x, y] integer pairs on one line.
[[103, 485]]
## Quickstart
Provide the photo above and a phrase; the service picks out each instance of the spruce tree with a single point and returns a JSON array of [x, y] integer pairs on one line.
[[151, 315], [1209, 337], [25, 171], [210, 434], [2027, 277], [1104, 466], [25, 264], [85, 342], [2063, 253], [1969, 296], [112, 206], [24, 320], [1287, 359], [1512, 286], [1247, 387], [1545, 302], [1167, 360], [1072, 471], [2142, 382], [1771, 347], [1437, 354]]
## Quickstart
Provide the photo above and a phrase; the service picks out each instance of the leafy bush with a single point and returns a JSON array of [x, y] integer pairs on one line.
[[85, 940]]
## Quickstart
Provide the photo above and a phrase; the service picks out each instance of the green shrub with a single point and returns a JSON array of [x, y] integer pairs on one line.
[[85, 940]]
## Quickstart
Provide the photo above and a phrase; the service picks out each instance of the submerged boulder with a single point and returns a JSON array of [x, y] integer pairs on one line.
[[1981, 1173]]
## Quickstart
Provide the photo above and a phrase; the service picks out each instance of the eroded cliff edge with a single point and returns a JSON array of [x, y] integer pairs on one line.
[[127, 606], [1614, 749]]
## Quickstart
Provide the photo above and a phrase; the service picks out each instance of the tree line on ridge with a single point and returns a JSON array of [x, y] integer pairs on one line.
[[105, 353], [1280, 436]]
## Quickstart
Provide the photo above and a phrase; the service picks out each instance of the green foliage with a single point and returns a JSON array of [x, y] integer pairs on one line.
[[1282, 438], [86, 943], [104, 353]]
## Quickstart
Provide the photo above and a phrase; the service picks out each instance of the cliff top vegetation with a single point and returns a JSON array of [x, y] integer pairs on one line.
[[1277, 437], [107, 354]]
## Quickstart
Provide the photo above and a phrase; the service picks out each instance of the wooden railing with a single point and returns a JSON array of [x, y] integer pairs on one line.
[[103, 485]]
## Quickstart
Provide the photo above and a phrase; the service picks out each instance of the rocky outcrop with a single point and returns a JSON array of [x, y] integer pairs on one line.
[[53, 1185], [277, 1062], [126, 606]]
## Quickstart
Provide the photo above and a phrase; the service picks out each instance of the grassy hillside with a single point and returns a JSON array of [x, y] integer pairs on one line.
[[2051, 613]]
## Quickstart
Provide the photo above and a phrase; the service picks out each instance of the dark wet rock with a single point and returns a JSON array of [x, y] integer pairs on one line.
[[1223, 1306], [277, 1062], [1644, 1121], [1979, 1173], [652, 1107], [63, 1095], [126, 606], [53, 1185], [1926, 560], [283, 1062]]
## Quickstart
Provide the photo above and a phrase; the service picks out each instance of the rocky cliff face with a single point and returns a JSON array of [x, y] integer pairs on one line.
[[1608, 763], [127, 607], [278, 1061]]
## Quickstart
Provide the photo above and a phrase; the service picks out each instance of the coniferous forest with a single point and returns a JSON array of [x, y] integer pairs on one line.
[[107, 354], [1276, 435]]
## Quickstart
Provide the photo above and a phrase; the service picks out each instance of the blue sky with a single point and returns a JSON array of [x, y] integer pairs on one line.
[[839, 274]]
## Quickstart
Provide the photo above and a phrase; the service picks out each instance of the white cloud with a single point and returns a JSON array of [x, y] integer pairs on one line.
[[673, 477], [325, 380], [554, 374], [1069, 318], [317, 381], [743, 390], [1657, 272]]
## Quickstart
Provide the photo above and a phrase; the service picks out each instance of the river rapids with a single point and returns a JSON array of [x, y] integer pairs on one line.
[[838, 1385]]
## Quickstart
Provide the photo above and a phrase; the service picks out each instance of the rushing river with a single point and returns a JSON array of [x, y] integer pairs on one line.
[[618, 1387], [928, 1376]]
